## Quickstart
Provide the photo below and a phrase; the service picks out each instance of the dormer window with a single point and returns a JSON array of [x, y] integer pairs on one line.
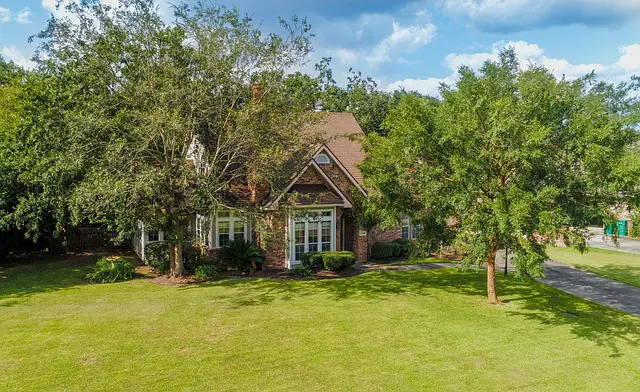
[[323, 159]]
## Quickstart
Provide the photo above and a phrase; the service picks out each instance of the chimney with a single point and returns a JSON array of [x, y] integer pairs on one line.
[[256, 92]]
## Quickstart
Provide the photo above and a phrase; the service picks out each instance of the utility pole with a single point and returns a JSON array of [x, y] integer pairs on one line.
[[506, 260]]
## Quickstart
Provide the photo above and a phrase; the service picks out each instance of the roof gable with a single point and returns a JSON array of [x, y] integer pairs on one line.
[[329, 193], [344, 138]]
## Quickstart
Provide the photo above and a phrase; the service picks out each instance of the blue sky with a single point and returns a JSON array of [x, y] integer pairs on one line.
[[418, 44]]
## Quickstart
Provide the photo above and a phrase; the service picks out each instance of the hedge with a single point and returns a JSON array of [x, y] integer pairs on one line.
[[329, 260], [384, 250], [395, 248]]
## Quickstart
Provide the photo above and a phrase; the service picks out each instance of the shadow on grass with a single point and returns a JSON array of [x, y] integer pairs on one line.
[[43, 275], [534, 301]]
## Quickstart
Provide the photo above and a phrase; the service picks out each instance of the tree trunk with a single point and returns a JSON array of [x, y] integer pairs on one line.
[[491, 274], [178, 269]]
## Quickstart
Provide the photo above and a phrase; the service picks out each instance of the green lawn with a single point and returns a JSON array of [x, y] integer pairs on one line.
[[383, 330], [421, 260], [621, 266]]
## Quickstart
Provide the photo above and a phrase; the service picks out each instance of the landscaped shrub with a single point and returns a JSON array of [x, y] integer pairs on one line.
[[156, 254], [206, 271], [110, 271], [334, 261], [301, 270], [242, 255], [405, 248], [383, 250], [328, 260], [192, 255], [312, 260]]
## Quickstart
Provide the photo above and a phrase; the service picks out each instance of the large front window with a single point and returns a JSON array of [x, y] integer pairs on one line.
[[229, 227], [312, 232]]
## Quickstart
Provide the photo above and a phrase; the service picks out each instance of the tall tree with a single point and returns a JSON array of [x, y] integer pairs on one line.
[[517, 156], [162, 115], [360, 96]]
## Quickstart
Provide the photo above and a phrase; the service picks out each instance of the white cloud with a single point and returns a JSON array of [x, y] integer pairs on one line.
[[518, 15], [528, 53], [11, 53], [427, 86], [24, 16], [58, 7], [345, 56], [403, 39], [5, 15]]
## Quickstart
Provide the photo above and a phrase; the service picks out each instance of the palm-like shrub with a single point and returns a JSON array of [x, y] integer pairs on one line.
[[242, 255], [111, 271]]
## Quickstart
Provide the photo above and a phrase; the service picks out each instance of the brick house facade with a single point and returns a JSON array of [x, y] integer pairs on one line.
[[321, 196]]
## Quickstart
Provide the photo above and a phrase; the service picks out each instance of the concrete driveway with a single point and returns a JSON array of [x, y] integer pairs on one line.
[[594, 287], [599, 240], [587, 285]]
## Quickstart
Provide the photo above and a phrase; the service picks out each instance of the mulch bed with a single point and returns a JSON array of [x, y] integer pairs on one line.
[[283, 274], [165, 280]]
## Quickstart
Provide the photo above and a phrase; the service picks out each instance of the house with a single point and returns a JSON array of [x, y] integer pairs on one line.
[[320, 198]]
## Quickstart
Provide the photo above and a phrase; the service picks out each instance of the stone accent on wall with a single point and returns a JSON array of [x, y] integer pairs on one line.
[[311, 176], [333, 171]]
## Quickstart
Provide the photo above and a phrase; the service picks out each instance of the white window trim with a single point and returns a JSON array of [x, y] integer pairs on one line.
[[290, 262], [323, 159], [232, 218], [201, 223], [406, 222]]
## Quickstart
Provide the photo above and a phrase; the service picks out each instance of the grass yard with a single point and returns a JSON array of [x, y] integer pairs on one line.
[[421, 260], [383, 330], [621, 266]]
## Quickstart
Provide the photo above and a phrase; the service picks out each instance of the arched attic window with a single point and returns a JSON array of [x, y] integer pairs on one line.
[[323, 159]]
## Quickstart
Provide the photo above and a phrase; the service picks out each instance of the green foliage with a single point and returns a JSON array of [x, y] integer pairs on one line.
[[110, 271], [193, 256], [360, 96], [301, 270], [312, 260], [635, 226], [110, 117], [241, 255], [156, 254], [206, 271], [517, 156], [406, 248], [332, 261], [384, 250]]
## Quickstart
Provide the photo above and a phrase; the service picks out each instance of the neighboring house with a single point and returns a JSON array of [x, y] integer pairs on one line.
[[322, 199]]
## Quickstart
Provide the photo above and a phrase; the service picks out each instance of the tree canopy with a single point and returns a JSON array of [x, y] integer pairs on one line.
[[508, 158], [134, 119]]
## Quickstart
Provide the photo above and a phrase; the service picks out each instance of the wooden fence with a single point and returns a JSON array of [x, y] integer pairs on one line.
[[86, 239]]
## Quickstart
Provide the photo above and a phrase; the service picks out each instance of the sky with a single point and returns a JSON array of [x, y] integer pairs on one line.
[[418, 44]]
